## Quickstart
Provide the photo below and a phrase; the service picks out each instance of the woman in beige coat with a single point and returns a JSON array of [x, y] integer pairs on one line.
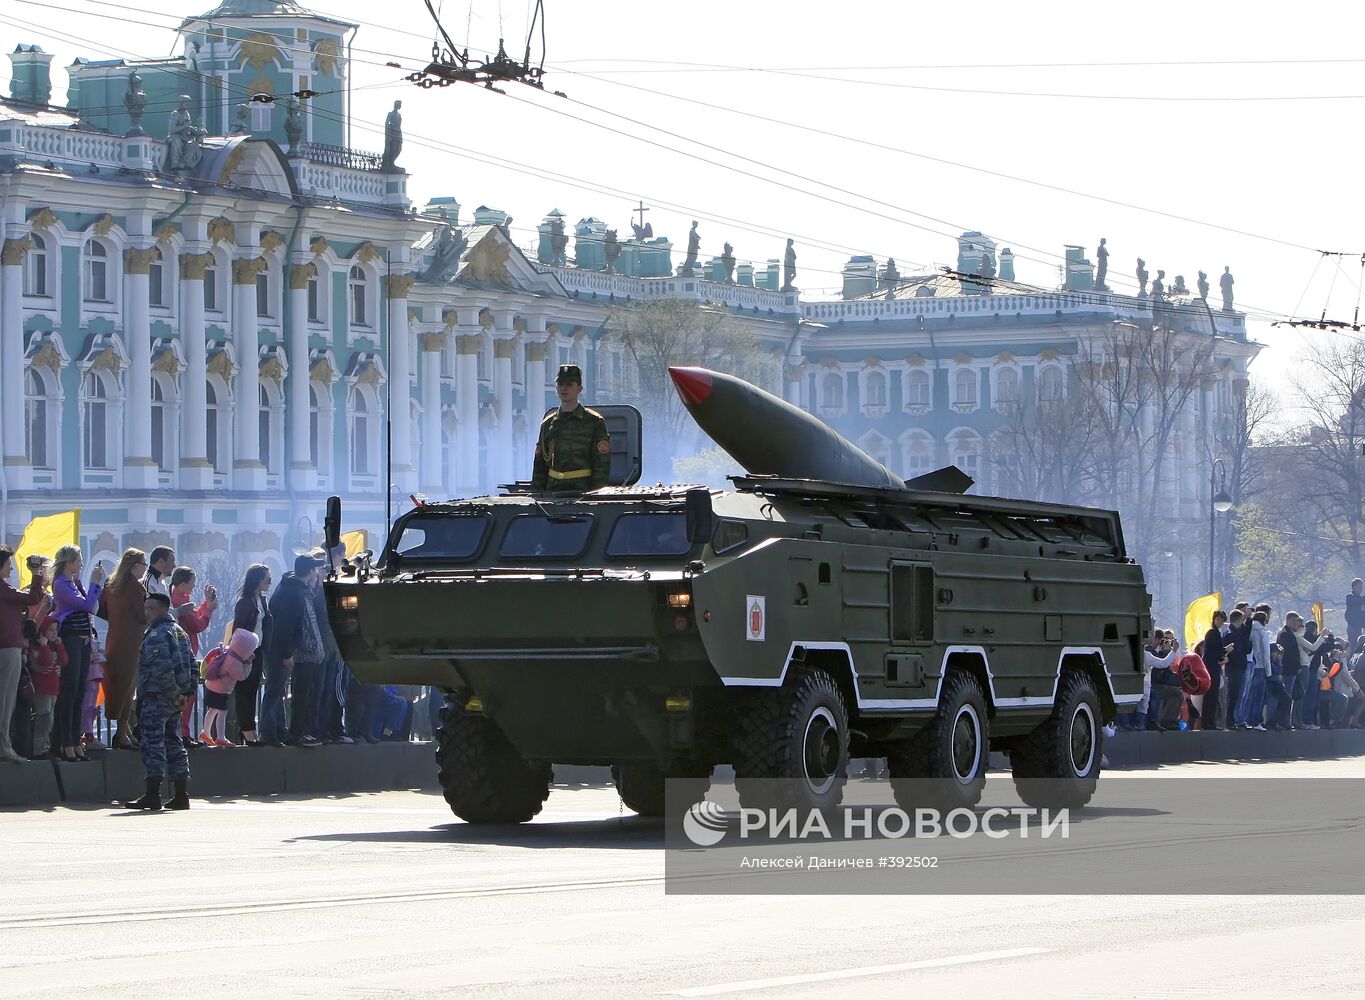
[[123, 601]]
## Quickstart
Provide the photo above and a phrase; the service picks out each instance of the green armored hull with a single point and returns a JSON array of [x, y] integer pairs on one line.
[[781, 627]]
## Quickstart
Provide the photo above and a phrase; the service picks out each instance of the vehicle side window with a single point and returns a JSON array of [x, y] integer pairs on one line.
[[443, 537], [729, 535], [643, 535]]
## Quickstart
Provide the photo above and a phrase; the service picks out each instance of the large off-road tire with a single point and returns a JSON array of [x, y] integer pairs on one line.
[[641, 785], [483, 777], [790, 744], [1057, 766], [943, 766]]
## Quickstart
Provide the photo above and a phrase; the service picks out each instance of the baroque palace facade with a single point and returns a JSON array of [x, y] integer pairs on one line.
[[209, 308]]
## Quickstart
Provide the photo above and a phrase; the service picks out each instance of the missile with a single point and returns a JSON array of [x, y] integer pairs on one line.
[[769, 436]]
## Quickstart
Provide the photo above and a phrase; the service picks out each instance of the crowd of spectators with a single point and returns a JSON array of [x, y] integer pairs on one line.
[[1250, 672], [70, 645]]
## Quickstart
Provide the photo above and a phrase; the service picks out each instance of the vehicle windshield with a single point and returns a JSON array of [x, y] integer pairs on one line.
[[445, 537], [638, 535], [560, 537]]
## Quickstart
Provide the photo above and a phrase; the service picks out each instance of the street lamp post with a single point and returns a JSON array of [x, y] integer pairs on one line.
[[1219, 503]]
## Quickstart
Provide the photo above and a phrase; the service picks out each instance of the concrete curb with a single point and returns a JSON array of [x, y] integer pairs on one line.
[[387, 766]]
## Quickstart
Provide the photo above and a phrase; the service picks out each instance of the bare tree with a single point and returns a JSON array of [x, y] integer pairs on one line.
[[1045, 447], [1241, 438], [1136, 384], [659, 334], [1329, 390]]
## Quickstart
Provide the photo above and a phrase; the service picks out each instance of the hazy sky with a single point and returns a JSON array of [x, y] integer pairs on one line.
[[940, 81]]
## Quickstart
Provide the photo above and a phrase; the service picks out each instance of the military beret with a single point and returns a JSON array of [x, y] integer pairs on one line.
[[569, 373]]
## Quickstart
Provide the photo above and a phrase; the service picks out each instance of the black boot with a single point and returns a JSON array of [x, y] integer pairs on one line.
[[181, 799], [151, 799]]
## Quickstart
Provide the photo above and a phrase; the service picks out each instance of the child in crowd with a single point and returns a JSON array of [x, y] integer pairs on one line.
[[46, 661], [224, 667], [194, 619], [91, 705], [1339, 696]]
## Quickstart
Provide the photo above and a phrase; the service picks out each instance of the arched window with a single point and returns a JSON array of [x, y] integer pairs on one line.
[[95, 420], [875, 389], [964, 387], [360, 313], [263, 293], [159, 424], [35, 266], [917, 453], [211, 285], [832, 391], [38, 409], [1050, 385], [265, 422], [917, 388], [1007, 386], [877, 446], [315, 300], [211, 414], [965, 452], [361, 419], [95, 261], [156, 279]]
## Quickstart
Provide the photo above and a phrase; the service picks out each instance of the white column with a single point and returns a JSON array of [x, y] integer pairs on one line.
[[195, 472], [138, 467], [537, 349], [301, 471], [793, 377], [467, 409], [18, 472], [429, 470], [501, 460], [247, 471], [400, 378]]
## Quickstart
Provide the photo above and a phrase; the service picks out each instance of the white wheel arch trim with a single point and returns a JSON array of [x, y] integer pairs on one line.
[[900, 704]]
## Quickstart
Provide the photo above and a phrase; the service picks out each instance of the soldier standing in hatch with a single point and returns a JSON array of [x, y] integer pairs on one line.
[[573, 451]]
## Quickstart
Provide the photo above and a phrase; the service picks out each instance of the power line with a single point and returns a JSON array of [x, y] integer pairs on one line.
[[946, 162], [595, 187], [695, 67]]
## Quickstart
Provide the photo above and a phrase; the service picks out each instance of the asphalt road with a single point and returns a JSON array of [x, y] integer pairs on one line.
[[387, 895]]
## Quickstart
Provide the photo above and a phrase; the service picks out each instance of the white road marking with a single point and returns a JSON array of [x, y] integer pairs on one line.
[[745, 986]]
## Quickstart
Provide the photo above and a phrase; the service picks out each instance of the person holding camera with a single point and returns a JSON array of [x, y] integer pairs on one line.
[[74, 608], [12, 643]]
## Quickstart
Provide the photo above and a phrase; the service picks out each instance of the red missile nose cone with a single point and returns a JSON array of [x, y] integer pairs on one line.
[[694, 384]]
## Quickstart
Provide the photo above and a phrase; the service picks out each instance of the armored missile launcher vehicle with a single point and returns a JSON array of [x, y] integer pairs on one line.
[[822, 609]]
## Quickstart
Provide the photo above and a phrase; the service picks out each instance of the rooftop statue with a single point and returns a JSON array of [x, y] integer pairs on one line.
[[1179, 287], [135, 100], [1225, 283], [393, 139], [241, 119], [611, 247], [184, 139], [446, 253], [689, 264], [1158, 289], [293, 124], [890, 277], [1142, 276], [642, 233], [559, 243], [1203, 284], [1102, 268], [727, 263], [789, 267]]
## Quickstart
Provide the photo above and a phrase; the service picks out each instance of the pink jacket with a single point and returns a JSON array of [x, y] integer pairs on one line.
[[224, 667]]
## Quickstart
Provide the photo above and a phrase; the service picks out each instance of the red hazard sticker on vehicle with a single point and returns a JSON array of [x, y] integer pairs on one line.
[[756, 618]]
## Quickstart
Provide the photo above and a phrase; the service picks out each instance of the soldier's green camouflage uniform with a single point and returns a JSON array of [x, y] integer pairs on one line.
[[573, 451]]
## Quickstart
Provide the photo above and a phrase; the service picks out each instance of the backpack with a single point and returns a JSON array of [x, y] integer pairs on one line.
[[213, 659]]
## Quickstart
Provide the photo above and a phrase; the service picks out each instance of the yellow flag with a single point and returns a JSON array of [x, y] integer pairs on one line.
[[1199, 618], [355, 542], [44, 536], [1317, 614]]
